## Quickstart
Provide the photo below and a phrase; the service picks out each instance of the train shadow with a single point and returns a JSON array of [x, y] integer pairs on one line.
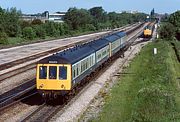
[[37, 99]]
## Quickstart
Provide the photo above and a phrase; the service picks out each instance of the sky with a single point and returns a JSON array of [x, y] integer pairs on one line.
[[39, 6]]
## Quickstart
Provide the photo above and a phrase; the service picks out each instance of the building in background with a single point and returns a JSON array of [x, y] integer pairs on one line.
[[130, 12], [56, 17], [45, 16]]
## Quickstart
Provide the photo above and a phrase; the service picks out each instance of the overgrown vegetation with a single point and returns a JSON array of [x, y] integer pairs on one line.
[[171, 28], [152, 94], [77, 21], [177, 46]]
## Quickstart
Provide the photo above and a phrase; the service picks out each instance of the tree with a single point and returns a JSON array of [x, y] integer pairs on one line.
[[98, 13], [167, 31], [40, 31], [152, 13], [11, 22], [175, 20], [50, 28], [77, 18]]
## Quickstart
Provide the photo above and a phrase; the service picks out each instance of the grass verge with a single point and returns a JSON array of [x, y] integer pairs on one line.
[[177, 46], [152, 94]]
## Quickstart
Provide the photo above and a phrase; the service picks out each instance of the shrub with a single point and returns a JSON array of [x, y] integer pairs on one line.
[[167, 31], [90, 27], [40, 32], [28, 33], [3, 38]]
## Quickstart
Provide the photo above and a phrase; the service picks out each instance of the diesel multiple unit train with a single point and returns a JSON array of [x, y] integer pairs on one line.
[[61, 73]]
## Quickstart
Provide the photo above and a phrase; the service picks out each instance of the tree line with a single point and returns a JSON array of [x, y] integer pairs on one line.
[[170, 28], [76, 21]]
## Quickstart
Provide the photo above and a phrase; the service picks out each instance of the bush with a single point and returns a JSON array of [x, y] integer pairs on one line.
[[50, 28], [3, 38], [40, 32], [167, 31], [89, 27], [28, 33]]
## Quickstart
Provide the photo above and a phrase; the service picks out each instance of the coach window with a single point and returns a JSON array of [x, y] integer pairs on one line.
[[62, 73], [92, 63], [104, 53], [52, 72], [87, 63], [73, 69], [77, 69], [42, 72]]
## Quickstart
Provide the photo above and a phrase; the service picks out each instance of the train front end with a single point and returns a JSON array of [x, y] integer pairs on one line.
[[53, 79], [147, 32]]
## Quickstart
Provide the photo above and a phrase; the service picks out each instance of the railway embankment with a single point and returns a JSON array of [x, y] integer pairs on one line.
[[176, 47], [148, 90]]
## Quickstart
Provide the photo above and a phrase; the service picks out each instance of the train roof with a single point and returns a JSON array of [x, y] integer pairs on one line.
[[111, 38], [98, 44], [69, 56], [77, 53], [120, 34]]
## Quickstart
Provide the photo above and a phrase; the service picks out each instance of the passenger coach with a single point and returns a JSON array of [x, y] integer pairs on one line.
[[59, 73]]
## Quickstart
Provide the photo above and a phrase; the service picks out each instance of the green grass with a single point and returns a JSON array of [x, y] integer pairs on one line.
[[152, 94], [15, 40], [177, 46]]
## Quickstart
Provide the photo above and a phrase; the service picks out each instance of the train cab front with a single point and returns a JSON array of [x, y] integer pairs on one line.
[[53, 79]]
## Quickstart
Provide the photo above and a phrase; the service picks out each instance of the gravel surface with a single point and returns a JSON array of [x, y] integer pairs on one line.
[[16, 113], [20, 52], [74, 111], [97, 103], [15, 81], [93, 96]]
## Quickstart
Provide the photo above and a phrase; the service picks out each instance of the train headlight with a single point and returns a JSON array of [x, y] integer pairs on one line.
[[41, 86], [62, 86]]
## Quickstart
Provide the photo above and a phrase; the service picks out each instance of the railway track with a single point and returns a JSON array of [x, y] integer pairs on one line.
[[35, 57], [46, 112], [38, 55], [13, 99], [9, 98], [22, 88], [43, 113]]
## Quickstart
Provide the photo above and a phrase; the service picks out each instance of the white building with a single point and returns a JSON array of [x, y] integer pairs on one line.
[[56, 17], [46, 16]]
